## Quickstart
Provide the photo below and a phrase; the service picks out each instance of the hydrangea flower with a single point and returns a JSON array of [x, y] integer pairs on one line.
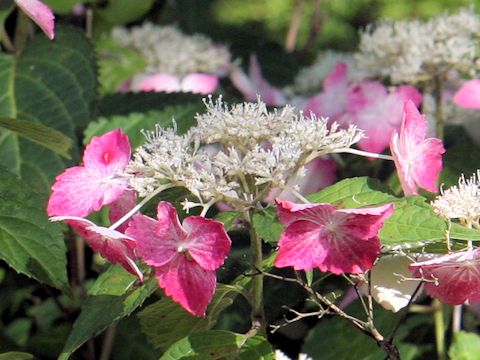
[[468, 96], [161, 82], [40, 13], [80, 190], [454, 278], [185, 256], [418, 160], [321, 236]]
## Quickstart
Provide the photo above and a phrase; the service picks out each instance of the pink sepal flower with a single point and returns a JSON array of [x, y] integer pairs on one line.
[[254, 84], [468, 96], [337, 241], [110, 244], [454, 279], [418, 160], [185, 256], [40, 13], [161, 82], [120, 207], [80, 190]]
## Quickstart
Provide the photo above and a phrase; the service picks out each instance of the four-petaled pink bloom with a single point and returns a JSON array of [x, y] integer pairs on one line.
[[336, 241], [40, 13], [454, 278], [80, 190], [418, 160], [185, 256], [468, 96]]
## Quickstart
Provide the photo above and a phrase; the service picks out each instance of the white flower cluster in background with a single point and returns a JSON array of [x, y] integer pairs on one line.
[[168, 50], [413, 51], [461, 202], [235, 154]]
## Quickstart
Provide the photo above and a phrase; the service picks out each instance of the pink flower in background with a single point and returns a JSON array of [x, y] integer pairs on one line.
[[454, 278], [40, 13], [255, 84], [337, 241], [378, 112], [418, 160], [332, 101], [468, 96], [161, 82], [80, 190], [185, 256]]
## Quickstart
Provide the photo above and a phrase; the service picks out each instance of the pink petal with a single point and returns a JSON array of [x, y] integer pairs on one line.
[[121, 206], [207, 241], [40, 13], [269, 94], [110, 244], [289, 212], [188, 284], [414, 127], [160, 82], [243, 84], [457, 277], [336, 77], [200, 83], [367, 222], [428, 164], [468, 96], [408, 92]]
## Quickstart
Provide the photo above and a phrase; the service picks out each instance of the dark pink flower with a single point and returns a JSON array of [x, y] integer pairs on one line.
[[468, 96], [418, 160], [40, 13], [454, 279], [255, 84], [337, 241], [80, 190], [110, 244], [185, 256]]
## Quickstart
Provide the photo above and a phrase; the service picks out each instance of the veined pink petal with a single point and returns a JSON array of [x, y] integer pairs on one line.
[[188, 284], [40, 13], [455, 278], [200, 83], [110, 244], [160, 82], [468, 96], [80, 190], [418, 160], [338, 241]]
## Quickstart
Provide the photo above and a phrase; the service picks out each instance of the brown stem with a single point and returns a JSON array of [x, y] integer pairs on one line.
[[291, 40], [315, 27]]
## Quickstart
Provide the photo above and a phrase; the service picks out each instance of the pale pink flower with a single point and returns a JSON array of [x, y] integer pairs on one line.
[[468, 96], [454, 278], [40, 13], [254, 84], [185, 256], [418, 160], [337, 241], [332, 101], [80, 190], [161, 82]]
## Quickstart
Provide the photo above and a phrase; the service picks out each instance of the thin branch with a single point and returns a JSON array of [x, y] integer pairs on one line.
[[292, 35]]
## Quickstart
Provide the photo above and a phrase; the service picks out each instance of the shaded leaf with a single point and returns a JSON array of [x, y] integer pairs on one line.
[[460, 232], [228, 218], [7, 71], [465, 346], [15, 355], [267, 225]]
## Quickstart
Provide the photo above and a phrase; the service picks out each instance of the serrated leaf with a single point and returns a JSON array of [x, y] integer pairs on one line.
[[460, 232], [228, 218], [354, 193], [465, 346], [412, 221], [267, 225], [133, 123], [165, 322], [29, 242], [112, 297], [40, 134], [216, 344]]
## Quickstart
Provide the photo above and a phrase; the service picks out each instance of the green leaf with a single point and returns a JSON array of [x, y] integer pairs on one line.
[[228, 218], [7, 72], [465, 346], [354, 193], [124, 104], [15, 355], [216, 344], [40, 134], [63, 6], [117, 64], [29, 242], [112, 297], [133, 123], [267, 225], [413, 221], [119, 12], [460, 232], [165, 322]]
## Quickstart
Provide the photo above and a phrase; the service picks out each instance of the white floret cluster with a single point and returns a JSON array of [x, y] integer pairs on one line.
[[414, 51], [168, 50], [461, 202], [235, 154]]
